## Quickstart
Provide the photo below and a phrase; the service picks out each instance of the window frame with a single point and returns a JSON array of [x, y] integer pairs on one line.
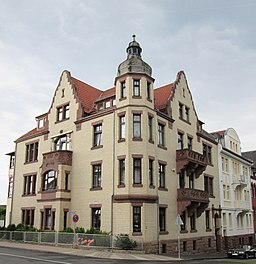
[[96, 218], [136, 219], [122, 172], [161, 134], [97, 135], [122, 127], [137, 171], [123, 90], [136, 87], [96, 175], [31, 154], [46, 185], [136, 126], [162, 171], [162, 219]]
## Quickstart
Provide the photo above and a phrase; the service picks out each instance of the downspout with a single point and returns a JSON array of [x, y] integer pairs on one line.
[[14, 171], [113, 176]]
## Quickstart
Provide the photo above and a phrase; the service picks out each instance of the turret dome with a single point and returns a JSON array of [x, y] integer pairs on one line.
[[134, 62]]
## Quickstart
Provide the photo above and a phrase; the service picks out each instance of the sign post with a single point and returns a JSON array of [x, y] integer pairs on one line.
[[179, 222]]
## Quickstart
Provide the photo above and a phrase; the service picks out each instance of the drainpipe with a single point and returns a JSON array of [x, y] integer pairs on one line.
[[113, 179]]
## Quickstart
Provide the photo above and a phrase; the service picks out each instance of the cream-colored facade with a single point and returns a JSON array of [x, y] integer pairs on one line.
[[130, 159], [235, 190]]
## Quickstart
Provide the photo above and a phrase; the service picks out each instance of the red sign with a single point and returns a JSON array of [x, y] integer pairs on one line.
[[75, 218]]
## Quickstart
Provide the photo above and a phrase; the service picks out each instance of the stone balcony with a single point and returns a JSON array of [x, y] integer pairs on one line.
[[53, 159], [191, 161], [192, 200]]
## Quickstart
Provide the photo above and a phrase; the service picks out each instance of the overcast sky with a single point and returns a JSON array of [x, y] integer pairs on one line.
[[214, 42]]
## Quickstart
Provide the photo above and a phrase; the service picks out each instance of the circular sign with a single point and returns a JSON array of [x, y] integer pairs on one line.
[[75, 218]]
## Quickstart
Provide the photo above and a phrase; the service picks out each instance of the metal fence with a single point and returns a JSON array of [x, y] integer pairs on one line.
[[73, 239]]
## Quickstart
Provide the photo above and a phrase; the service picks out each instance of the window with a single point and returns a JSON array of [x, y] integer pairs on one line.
[[31, 152], [150, 172], [122, 127], [96, 218], [186, 113], [148, 90], [180, 140], [191, 181], [29, 186], [182, 179], [193, 222], [208, 184], [97, 141], [123, 90], [28, 216], [207, 153], [62, 142], [161, 175], [107, 104], [136, 126], [162, 219], [183, 218], [122, 172], [136, 219], [137, 170], [49, 219], [63, 112], [136, 87], [161, 134], [67, 181], [49, 181], [190, 143], [65, 217], [181, 111], [10, 187], [207, 220], [96, 176], [150, 128]]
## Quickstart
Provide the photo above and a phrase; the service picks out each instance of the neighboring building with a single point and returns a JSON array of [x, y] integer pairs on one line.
[[10, 188], [235, 190], [127, 160], [2, 215], [251, 155]]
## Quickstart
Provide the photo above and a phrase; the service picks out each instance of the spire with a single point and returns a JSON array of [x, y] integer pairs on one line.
[[134, 48]]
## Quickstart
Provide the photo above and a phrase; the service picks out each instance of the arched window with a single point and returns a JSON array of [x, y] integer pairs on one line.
[[49, 181]]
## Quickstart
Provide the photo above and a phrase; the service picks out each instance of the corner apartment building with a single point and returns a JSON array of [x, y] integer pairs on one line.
[[235, 190], [251, 155], [129, 159]]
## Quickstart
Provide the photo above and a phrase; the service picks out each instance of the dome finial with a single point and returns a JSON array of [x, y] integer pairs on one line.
[[134, 36]]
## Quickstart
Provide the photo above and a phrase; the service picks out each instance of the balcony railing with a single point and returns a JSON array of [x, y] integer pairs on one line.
[[193, 200], [191, 161]]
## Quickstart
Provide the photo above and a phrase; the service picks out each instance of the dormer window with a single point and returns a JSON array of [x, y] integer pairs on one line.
[[63, 112]]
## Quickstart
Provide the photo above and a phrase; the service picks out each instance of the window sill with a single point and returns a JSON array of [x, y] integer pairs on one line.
[[137, 185], [151, 141], [163, 189], [136, 97], [96, 189], [208, 230], [121, 186], [29, 162], [59, 121], [150, 100], [137, 233], [183, 231], [193, 231], [121, 140], [162, 147], [163, 233], [48, 191], [122, 98], [97, 147], [137, 139], [151, 186], [28, 195]]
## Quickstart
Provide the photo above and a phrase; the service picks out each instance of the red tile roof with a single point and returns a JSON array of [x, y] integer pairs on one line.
[[86, 93], [221, 133], [162, 94], [107, 93], [32, 133]]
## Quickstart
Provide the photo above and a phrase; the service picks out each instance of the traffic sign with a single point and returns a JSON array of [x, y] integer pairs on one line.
[[75, 218]]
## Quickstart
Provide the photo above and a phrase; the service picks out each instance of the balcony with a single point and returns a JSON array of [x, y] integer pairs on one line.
[[191, 161], [192, 200], [51, 160]]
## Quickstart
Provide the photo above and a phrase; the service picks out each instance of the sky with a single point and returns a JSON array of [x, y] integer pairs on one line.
[[213, 41]]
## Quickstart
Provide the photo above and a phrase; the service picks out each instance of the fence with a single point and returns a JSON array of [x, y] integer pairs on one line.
[[74, 239]]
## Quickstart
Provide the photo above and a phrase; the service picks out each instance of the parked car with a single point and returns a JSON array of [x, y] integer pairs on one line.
[[245, 251]]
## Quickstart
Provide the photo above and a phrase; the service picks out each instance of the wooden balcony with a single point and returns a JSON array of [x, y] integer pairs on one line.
[[191, 161], [192, 200]]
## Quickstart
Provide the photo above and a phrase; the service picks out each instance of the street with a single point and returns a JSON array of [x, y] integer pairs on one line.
[[24, 256]]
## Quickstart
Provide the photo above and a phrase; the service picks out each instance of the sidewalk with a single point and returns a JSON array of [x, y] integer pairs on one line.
[[104, 254]]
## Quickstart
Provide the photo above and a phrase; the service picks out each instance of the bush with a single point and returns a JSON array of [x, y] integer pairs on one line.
[[123, 241], [80, 230], [11, 227], [68, 230], [25, 228], [95, 231]]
